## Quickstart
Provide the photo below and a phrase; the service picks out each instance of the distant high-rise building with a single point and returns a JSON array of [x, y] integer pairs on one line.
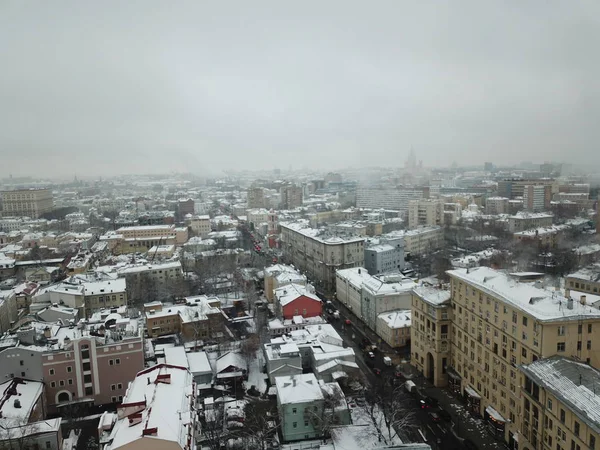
[[27, 202], [537, 198], [256, 197], [386, 198], [425, 212], [291, 196]]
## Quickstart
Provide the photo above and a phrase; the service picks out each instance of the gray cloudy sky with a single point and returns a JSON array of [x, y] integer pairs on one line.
[[150, 86]]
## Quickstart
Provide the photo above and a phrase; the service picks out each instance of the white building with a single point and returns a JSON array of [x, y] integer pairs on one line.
[[394, 327], [387, 255], [386, 198], [420, 240], [158, 412]]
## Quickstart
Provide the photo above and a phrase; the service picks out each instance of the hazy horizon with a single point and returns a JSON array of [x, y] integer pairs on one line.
[[152, 87]]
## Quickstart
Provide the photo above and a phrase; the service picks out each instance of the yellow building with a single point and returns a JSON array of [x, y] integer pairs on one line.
[[561, 401], [430, 334], [499, 324], [585, 280], [27, 202]]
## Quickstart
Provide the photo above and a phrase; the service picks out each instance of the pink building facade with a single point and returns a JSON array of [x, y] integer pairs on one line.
[[90, 370]]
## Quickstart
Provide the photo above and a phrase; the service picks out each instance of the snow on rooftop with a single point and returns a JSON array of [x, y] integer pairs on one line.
[[25, 392], [199, 363], [397, 319], [573, 383], [432, 294], [541, 303], [176, 356], [167, 406], [302, 388]]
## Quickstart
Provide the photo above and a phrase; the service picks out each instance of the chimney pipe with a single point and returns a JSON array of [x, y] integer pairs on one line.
[[570, 303], [583, 299]]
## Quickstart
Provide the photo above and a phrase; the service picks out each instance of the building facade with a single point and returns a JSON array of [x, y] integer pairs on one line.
[[386, 256], [27, 202], [425, 212], [319, 255]]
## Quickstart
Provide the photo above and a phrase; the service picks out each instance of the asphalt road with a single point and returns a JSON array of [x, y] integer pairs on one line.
[[437, 434]]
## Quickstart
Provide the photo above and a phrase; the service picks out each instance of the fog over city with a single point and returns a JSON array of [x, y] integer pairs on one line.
[[104, 88]]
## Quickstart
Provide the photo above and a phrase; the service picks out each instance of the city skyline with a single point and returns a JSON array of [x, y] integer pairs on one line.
[[197, 88]]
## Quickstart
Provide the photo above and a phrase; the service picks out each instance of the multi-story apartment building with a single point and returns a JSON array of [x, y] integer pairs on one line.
[[279, 275], [394, 327], [385, 256], [291, 196], [499, 323], [585, 280], [425, 212], [496, 205], [420, 240], [200, 225], [515, 187], [431, 334], [256, 217], [560, 400], [27, 202], [526, 221], [94, 369], [319, 254], [256, 197], [386, 198], [88, 294], [199, 318], [536, 198]]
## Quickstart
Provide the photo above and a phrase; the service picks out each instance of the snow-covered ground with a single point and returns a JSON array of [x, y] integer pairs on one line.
[[255, 376]]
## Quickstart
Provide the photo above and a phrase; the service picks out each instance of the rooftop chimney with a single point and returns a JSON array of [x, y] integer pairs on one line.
[[570, 303], [583, 299], [567, 293]]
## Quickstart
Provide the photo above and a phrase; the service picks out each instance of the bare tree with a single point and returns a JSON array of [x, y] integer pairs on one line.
[[15, 435], [388, 409], [325, 418], [248, 349], [261, 423], [213, 428]]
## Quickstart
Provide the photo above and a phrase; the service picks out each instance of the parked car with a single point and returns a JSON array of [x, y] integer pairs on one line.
[[434, 416], [376, 371], [371, 355], [445, 415], [348, 322]]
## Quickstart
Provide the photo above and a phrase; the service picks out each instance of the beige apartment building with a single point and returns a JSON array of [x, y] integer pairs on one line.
[[319, 254], [497, 325], [431, 333], [496, 205], [585, 280], [425, 212], [200, 225], [27, 202], [560, 404], [522, 221]]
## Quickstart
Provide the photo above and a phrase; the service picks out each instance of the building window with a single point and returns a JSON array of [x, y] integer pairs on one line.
[[576, 429], [589, 345], [69, 369], [295, 424], [117, 361], [110, 362], [113, 387], [589, 327], [592, 440], [87, 366], [85, 354], [562, 415], [61, 383], [89, 390], [560, 346], [51, 371], [53, 384], [524, 321], [21, 363], [550, 404], [87, 378], [294, 410], [119, 386], [561, 330], [70, 381], [305, 423]]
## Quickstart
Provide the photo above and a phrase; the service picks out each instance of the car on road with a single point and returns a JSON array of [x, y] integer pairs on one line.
[[434, 416], [348, 322], [424, 405], [445, 415], [371, 355], [376, 371]]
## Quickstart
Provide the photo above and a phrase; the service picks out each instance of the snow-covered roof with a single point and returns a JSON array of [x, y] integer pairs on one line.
[[165, 396], [573, 383], [591, 273], [199, 363], [26, 393], [291, 292], [397, 319], [433, 295], [176, 356], [389, 285], [543, 304], [230, 359], [302, 388]]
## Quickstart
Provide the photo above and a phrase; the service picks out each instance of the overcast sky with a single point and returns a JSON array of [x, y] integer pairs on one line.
[[152, 86]]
